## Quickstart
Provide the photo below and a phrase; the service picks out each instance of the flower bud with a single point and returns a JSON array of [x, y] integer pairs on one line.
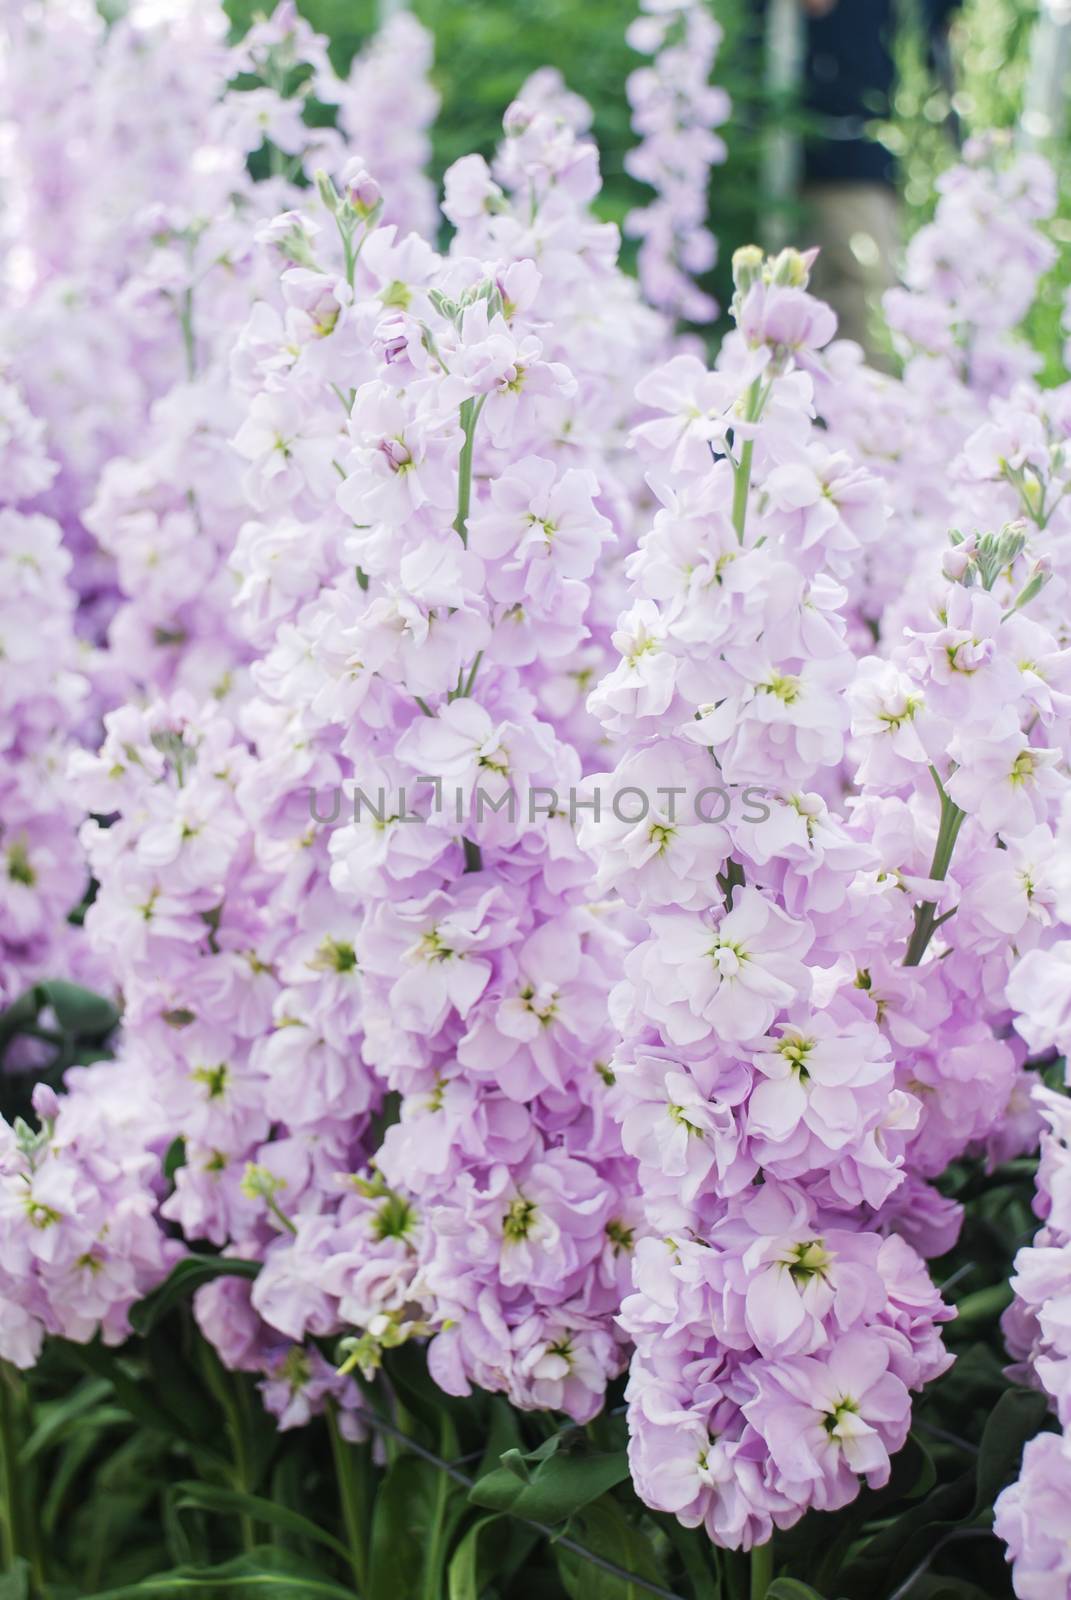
[[1040, 574], [747, 267], [363, 193], [956, 562], [517, 120], [45, 1102], [792, 268], [259, 1182], [326, 189], [1010, 542]]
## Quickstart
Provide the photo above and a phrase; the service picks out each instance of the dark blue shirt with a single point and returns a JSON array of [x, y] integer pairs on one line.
[[848, 81]]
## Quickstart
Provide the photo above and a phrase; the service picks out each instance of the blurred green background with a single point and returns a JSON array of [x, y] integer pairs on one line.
[[484, 50]]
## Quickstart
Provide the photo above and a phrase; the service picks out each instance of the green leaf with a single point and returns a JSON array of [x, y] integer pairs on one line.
[[84, 1440], [15, 1584], [984, 1305], [21, 1013], [791, 1589], [560, 1485], [892, 1553], [233, 1503], [266, 1573], [143, 1402], [78, 1011], [1017, 1416], [606, 1531], [56, 1418], [931, 1587], [408, 1512], [187, 1276], [696, 1553], [502, 1434], [514, 1461], [387, 1115], [174, 1158], [463, 1577], [123, 1513], [447, 1510]]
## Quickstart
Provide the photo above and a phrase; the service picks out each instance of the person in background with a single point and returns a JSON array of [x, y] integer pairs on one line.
[[849, 181]]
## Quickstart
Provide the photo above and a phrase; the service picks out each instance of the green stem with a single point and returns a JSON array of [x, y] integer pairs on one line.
[[742, 469], [18, 1535], [279, 1214], [189, 342], [926, 918], [228, 1391], [470, 415], [741, 486], [242, 1477], [465, 686], [734, 1567], [11, 1531], [761, 1570], [433, 1584], [351, 1498]]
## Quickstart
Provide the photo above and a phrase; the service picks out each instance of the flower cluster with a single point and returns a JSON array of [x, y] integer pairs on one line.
[[81, 1242], [424, 473], [42, 695], [111, 125], [1031, 1514], [419, 581], [973, 685], [764, 1029], [249, 1108], [580, 836], [971, 275], [170, 512], [768, 1028], [675, 110], [774, 1362]]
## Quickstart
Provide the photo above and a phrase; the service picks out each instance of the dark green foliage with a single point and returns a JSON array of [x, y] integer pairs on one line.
[[52, 1026]]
